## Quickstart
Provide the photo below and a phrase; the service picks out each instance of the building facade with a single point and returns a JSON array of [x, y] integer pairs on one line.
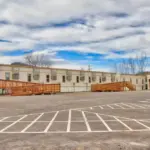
[[70, 80]]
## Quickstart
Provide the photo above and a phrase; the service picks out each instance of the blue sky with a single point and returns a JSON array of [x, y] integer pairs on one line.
[[75, 34]]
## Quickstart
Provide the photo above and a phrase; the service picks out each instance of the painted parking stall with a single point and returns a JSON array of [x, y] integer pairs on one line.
[[71, 121]]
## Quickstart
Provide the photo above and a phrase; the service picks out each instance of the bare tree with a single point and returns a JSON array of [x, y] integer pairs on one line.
[[142, 62], [115, 67], [41, 60], [125, 66], [132, 65]]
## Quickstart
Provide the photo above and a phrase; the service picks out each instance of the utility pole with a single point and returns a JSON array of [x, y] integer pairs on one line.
[[89, 76], [89, 68]]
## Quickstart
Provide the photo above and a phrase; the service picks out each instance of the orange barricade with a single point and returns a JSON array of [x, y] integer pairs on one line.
[[35, 89], [113, 87], [7, 84]]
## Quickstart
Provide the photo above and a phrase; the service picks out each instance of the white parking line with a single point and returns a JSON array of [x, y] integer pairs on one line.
[[123, 123], [142, 124], [51, 122], [3, 119], [72, 132], [26, 128], [119, 106], [13, 123], [137, 105], [86, 122], [101, 107], [148, 106], [143, 101], [110, 106], [69, 121], [105, 124], [128, 106]]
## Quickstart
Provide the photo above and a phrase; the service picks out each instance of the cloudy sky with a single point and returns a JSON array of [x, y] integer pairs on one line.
[[75, 33]]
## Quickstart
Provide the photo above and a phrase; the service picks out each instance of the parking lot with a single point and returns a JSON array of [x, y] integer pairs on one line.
[[76, 121]]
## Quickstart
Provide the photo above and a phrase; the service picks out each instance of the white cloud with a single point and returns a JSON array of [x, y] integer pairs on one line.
[[39, 12], [101, 33], [10, 59]]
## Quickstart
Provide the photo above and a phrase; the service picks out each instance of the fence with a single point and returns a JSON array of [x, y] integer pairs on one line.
[[116, 86], [35, 89]]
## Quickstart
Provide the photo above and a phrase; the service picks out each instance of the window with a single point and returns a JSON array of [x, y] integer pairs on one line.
[[146, 86], [15, 76], [63, 79], [69, 78], [82, 78], [77, 79], [130, 80], [112, 78], [94, 78], [89, 79], [124, 79], [7, 75], [54, 75], [47, 78], [100, 80], [103, 78], [142, 81], [29, 78], [136, 81], [68, 75], [36, 76], [82, 75], [145, 79]]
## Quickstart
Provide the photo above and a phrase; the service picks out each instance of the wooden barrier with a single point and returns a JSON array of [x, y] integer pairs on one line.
[[112, 87], [7, 84], [35, 89]]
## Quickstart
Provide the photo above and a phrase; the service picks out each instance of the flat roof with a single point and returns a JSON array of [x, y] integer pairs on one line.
[[28, 66]]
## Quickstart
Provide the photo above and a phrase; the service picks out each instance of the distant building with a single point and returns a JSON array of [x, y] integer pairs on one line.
[[70, 80]]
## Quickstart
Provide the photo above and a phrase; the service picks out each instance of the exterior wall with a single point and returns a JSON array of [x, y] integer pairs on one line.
[[148, 82], [73, 86], [136, 80]]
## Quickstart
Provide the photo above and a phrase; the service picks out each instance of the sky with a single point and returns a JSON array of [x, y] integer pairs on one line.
[[74, 34]]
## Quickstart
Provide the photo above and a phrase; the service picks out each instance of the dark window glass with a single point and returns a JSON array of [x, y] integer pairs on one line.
[[89, 79], [77, 79], [47, 78], [29, 78], [63, 79], [146, 86], [100, 80]]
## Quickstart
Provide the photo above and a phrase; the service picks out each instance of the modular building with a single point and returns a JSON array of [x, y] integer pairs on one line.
[[70, 80]]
